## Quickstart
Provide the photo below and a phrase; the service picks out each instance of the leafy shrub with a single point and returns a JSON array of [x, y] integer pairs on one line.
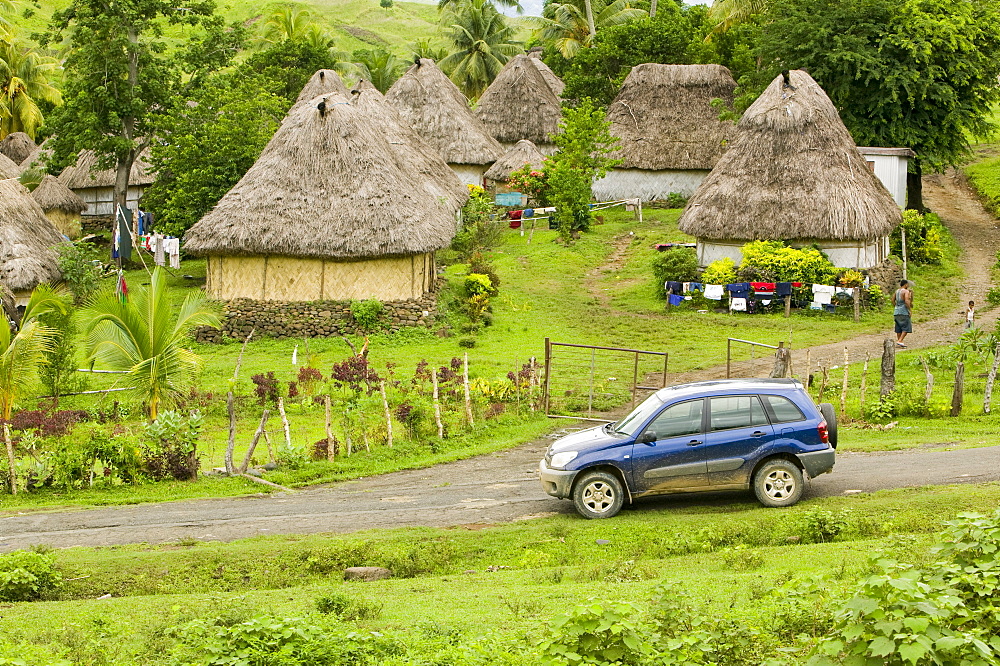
[[480, 264], [743, 558], [993, 296], [481, 231], [721, 271], [594, 633], [477, 283], [171, 450], [346, 608], [467, 341], [821, 526], [79, 272], [680, 264], [266, 387], [676, 200], [532, 182], [368, 315], [880, 410], [924, 234], [47, 424], [27, 576], [774, 261]]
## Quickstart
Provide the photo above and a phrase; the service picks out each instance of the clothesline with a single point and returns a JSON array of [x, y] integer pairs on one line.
[[743, 295]]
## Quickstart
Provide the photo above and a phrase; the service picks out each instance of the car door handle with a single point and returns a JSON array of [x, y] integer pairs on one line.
[[695, 442], [759, 433]]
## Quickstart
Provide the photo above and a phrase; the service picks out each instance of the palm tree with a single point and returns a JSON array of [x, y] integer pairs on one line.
[[6, 10], [482, 43], [288, 23], [140, 335], [732, 12], [569, 29], [380, 67], [424, 48], [24, 81], [22, 350], [511, 4]]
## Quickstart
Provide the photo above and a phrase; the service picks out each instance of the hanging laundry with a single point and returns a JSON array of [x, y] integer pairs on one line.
[[123, 221], [673, 286], [515, 214], [823, 298], [527, 213], [762, 286], [172, 247], [159, 257], [845, 292], [738, 289], [685, 287], [714, 291], [675, 299], [121, 289], [824, 289], [696, 286], [738, 305], [783, 289]]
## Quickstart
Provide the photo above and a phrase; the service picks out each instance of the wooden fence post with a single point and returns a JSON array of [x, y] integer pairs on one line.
[[465, 384], [782, 361], [822, 386], [888, 383], [253, 443], [959, 393], [929, 387], [864, 381], [388, 414], [990, 378], [284, 423], [437, 405], [843, 389], [231, 408]]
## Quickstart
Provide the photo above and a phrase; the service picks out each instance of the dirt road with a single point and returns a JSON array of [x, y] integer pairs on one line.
[[496, 488]]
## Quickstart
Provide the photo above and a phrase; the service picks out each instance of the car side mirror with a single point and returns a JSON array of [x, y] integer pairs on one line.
[[647, 437]]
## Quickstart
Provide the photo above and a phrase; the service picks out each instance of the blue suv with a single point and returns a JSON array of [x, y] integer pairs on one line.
[[734, 434]]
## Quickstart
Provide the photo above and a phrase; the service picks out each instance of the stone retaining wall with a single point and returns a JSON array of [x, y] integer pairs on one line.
[[315, 319]]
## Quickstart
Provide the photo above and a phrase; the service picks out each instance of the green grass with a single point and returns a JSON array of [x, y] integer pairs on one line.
[[727, 554]]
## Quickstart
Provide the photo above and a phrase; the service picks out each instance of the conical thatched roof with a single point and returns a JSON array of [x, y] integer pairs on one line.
[[438, 111], [340, 179], [524, 152], [38, 157], [85, 174], [26, 240], [791, 172], [324, 81], [8, 168], [53, 195], [555, 83], [664, 117], [519, 104], [17, 146]]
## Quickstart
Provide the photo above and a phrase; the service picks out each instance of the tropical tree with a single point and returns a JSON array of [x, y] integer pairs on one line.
[[289, 22], [22, 349], [139, 334], [481, 43], [24, 81], [567, 28], [425, 48], [510, 4], [6, 11], [378, 66], [733, 12]]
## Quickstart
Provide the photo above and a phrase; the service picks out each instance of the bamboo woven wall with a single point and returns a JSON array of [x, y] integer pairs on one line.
[[470, 174], [278, 278], [66, 223]]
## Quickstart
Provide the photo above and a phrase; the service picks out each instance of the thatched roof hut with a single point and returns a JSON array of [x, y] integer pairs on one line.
[[555, 83], [520, 104], [670, 134], [61, 205], [793, 173], [322, 82], [96, 186], [343, 203], [26, 241], [38, 157], [436, 109], [8, 168], [523, 153], [17, 146]]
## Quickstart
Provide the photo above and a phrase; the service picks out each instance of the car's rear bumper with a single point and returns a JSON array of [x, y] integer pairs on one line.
[[818, 462], [556, 482]]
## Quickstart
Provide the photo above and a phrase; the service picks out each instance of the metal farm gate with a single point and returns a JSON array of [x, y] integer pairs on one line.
[[582, 381]]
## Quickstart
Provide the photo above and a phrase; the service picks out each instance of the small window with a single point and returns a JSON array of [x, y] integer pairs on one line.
[[737, 411], [783, 410], [678, 420]]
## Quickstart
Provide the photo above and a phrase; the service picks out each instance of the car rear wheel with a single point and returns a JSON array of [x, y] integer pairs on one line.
[[598, 495], [830, 416], [778, 483]]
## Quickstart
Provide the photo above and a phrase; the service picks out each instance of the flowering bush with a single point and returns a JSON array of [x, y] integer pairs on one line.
[[533, 182]]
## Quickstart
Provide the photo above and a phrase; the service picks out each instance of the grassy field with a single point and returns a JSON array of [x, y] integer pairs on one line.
[[497, 583]]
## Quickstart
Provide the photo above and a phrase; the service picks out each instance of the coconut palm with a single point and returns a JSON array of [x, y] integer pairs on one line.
[[140, 335], [380, 67], [568, 28], [425, 48], [288, 23], [24, 81], [511, 4], [732, 12], [22, 350], [481, 44]]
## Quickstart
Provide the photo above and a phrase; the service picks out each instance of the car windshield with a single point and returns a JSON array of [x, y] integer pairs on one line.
[[631, 423]]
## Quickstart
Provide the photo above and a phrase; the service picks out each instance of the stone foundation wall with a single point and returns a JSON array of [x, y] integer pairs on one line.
[[886, 275], [315, 319]]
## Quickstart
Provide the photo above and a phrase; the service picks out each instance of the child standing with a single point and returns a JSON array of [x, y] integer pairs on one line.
[[970, 315]]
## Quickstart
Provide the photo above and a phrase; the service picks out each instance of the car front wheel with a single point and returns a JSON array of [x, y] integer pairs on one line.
[[778, 483], [598, 495]]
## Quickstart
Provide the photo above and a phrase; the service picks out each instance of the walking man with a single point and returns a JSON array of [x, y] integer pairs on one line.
[[903, 302]]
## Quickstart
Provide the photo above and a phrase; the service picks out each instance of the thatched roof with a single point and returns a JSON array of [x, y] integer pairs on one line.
[[38, 157], [664, 117], [53, 195], [340, 179], [555, 83], [26, 240], [324, 81], [8, 168], [438, 111], [519, 104], [524, 152], [792, 172], [84, 173], [17, 146]]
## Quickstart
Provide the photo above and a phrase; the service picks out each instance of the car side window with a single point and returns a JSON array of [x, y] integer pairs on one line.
[[678, 420], [736, 411], [783, 410]]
